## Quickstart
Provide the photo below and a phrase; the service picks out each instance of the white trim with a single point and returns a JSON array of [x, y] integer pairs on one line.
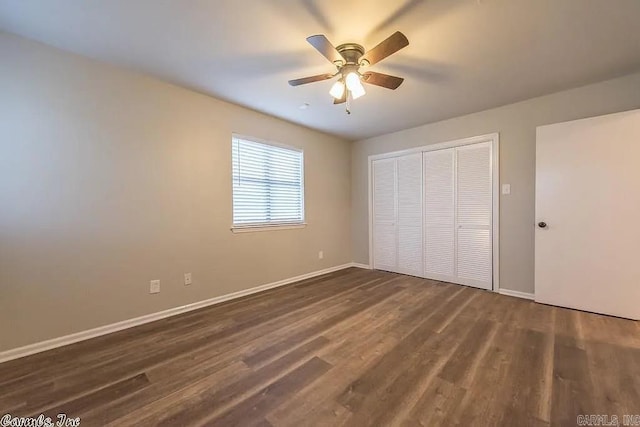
[[438, 146], [495, 214], [265, 141], [266, 227], [494, 138], [359, 265], [38, 347], [370, 208], [516, 294]]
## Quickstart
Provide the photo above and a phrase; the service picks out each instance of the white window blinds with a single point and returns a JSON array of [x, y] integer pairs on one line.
[[268, 184]]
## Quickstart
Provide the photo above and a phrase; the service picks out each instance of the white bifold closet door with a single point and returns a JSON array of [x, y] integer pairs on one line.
[[397, 214], [458, 215], [432, 214], [439, 218], [410, 215], [385, 239]]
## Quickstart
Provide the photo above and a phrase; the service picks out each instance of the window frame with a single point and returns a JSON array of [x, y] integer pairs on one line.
[[268, 226]]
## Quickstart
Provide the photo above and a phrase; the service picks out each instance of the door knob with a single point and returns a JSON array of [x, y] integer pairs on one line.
[[542, 224]]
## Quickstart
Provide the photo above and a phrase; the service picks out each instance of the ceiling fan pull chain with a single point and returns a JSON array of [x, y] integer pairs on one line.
[[348, 103]]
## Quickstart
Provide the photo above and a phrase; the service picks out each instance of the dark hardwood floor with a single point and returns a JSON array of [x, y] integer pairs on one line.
[[353, 348]]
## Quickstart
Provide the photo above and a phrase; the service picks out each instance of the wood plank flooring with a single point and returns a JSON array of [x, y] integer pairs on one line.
[[351, 348]]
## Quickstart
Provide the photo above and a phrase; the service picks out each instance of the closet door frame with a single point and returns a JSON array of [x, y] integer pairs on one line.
[[494, 139]]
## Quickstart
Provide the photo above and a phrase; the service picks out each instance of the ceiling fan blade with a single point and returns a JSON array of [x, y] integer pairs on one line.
[[305, 80], [341, 100], [384, 80], [324, 46], [387, 47]]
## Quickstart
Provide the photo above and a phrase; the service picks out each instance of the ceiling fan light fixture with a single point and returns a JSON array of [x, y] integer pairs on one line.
[[352, 80], [348, 58], [357, 92], [337, 90], [354, 85]]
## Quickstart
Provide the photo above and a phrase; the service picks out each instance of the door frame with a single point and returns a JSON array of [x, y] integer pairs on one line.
[[494, 139]]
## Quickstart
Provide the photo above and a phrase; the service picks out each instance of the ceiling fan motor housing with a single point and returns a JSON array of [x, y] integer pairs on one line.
[[351, 52]]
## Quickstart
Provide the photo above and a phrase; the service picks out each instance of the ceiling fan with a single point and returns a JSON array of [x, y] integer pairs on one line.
[[348, 59]]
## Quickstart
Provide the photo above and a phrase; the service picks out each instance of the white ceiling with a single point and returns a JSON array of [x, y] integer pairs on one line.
[[464, 56]]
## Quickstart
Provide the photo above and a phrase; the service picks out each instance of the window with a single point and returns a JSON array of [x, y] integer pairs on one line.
[[268, 184]]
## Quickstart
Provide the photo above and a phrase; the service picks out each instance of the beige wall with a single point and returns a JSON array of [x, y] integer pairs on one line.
[[516, 124], [109, 179]]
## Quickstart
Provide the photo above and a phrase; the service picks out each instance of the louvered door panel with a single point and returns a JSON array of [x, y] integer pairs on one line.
[[410, 214], [385, 238], [474, 257], [474, 215], [474, 185], [439, 214], [384, 191], [385, 247]]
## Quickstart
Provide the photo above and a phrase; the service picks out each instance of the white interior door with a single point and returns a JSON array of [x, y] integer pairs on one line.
[[409, 171], [439, 214], [385, 209], [474, 206], [588, 194], [458, 200], [433, 214]]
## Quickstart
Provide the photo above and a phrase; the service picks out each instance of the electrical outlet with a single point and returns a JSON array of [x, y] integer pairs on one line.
[[506, 188], [187, 279], [154, 286], [320, 255]]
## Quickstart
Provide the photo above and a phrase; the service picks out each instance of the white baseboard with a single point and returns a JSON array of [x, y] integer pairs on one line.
[[358, 265], [38, 347], [516, 294]]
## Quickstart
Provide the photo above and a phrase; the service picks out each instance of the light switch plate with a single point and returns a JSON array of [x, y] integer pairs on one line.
[[187, 278], [154, 286], [506, 188]]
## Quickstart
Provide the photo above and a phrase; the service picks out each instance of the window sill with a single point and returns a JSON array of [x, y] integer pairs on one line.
[[256, 228]]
